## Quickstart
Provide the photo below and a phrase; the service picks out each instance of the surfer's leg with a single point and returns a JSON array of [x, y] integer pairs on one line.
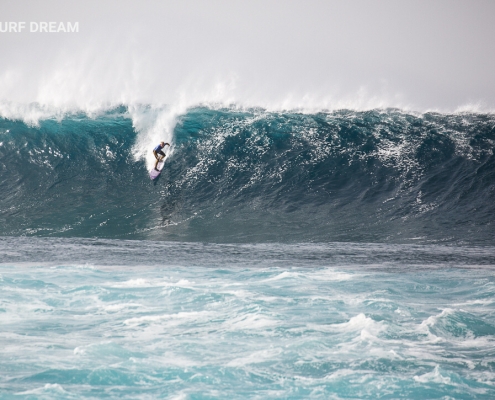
[[159, 158]]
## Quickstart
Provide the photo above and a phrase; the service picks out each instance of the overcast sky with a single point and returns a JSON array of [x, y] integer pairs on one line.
[[435, 54]]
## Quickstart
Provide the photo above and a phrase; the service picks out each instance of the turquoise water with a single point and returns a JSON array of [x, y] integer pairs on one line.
[[246, 176], [93, 318], [328, 255]]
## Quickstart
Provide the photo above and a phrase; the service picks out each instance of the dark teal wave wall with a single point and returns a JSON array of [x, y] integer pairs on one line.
[[250, 176]]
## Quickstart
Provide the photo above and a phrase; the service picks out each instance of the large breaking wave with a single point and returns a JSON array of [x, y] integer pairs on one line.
[[250, 175]]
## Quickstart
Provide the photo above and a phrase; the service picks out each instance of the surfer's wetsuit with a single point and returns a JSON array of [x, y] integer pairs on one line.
[[157, 151]]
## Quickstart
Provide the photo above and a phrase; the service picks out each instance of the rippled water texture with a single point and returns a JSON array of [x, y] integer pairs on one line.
[[139, 319]]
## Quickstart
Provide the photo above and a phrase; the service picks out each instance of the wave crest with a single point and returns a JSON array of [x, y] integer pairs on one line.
[[241, 174]]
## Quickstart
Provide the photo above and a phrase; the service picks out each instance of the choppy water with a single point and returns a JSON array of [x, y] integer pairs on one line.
[[338, 254], [140, 319]]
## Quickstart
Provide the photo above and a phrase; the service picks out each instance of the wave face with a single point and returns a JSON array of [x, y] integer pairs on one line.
[[254, 176]]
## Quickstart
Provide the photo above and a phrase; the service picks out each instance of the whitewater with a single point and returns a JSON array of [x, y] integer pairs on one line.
[[281, 254]]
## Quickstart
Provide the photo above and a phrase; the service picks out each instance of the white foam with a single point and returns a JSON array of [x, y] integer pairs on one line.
[[250, 322], [154, 125], [360, 322], [179, 360], [178, 318], [283, 275], [121, 306], [180, 283], [433, 319], [317, 275], [256, 357], [139, 282], [80, 350], [179, 396], [331, 275], [434, 376], [53, 388], [144, 283]]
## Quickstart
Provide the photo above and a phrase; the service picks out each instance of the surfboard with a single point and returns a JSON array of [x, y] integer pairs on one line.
[[154, 173]]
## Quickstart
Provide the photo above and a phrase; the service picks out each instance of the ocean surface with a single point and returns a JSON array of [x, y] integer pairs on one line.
[[327, 255]]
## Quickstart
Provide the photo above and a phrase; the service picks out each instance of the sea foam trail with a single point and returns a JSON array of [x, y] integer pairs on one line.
[[244, 175], [164, 319]]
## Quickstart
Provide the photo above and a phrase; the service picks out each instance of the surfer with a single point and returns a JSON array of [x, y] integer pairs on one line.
[[158, 153]]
